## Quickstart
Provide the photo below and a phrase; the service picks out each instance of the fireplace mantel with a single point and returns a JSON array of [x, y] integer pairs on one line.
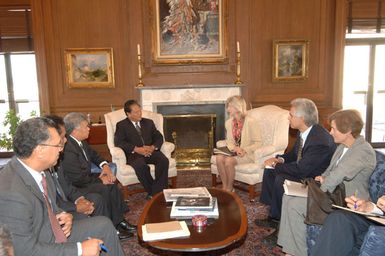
[[152, 96]]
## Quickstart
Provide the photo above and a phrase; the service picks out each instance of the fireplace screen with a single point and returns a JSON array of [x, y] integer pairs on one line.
[[193, 136]]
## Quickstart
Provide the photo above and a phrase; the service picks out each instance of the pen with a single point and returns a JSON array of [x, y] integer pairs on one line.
[[102, 246], [355, 202]]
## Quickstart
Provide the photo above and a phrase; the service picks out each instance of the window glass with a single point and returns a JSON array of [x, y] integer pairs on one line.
[[355, 80], [378, 125], [25, 84]]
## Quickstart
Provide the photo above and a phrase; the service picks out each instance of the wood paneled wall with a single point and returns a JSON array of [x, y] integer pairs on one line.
[[122, 24]]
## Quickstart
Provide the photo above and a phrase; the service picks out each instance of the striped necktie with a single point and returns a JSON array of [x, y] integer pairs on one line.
[[56, 229], [137, 127], [84, 152], [299, 151]]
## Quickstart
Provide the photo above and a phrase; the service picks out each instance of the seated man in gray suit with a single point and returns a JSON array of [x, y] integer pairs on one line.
[[38, 226], [69, 198]]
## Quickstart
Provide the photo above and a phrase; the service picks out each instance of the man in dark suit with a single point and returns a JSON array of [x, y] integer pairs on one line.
[[309, 157], [68, 197], [141, 142], [76, 165], [38, 226]]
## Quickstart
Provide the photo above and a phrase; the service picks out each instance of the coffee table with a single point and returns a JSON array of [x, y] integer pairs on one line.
[[230, 227]]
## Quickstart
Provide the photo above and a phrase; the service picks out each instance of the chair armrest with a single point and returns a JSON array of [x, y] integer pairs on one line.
[[118, 156], [374, 241], [263, 153], [221, 143], [167, 148]]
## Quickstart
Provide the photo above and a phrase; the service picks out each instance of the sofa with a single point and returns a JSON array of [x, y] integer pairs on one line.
[[374, 240]]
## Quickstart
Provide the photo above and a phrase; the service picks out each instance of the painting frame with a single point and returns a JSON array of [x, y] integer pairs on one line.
[[89, 67], [290, 60], [202, 42]]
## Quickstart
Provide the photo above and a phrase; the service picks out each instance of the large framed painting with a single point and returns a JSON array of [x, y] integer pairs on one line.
[[188, 31], [290, 60], [89, 67]]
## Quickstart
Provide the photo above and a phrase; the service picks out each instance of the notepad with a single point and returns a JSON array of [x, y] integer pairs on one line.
[[293, 188]]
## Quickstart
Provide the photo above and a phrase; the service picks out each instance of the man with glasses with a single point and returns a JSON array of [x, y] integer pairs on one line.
[[28, 202], [76, 165]]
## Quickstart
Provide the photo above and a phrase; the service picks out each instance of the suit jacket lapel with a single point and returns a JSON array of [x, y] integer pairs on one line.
[[29, 181]]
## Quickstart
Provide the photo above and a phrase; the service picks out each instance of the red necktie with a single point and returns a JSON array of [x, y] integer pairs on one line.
[[56, 229]]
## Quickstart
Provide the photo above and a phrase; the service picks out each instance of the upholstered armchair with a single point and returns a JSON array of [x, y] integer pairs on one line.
[[374, 240], [274, 126], [125, 173]]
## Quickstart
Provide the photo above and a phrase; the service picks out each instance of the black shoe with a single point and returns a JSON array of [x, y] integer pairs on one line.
[[148, 197], [267, 223], [124, 225], [123, 234]]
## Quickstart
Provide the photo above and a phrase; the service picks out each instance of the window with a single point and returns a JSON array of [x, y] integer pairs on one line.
[[18, 85], [364, 84]]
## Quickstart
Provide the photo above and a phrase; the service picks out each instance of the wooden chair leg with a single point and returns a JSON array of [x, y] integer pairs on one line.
[[251, 193], [125, 192], [173, 182], [214, 180]]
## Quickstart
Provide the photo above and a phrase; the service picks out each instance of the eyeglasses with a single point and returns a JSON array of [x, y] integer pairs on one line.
[[60, 145]]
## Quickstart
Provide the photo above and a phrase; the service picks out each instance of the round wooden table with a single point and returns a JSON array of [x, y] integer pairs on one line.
[[230, 227]]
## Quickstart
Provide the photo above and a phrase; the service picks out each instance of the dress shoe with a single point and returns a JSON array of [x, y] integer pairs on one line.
[[148, 197], [124, 225], [123, 234], [267, 223]]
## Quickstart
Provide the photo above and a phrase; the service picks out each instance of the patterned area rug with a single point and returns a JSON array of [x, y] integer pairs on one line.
[[253, 244]]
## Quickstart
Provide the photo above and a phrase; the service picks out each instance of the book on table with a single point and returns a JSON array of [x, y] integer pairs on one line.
[[171, 195], [372, 216], [223, 151], [165, 230], [188, 213], [194, 203], [293, 188]]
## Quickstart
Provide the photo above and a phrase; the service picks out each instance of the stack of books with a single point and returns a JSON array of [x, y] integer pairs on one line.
[[171, 195], [188, 202], [187, 207]]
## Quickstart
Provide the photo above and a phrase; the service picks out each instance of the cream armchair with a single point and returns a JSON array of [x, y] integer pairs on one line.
[[274, 126], [125, 173]]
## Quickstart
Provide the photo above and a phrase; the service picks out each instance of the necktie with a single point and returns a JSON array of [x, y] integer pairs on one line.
[[59, 189], [137, 127], [84, 152], [56, 229], [300, 147]]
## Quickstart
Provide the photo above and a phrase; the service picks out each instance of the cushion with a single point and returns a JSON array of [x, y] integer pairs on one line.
[[377, 179]]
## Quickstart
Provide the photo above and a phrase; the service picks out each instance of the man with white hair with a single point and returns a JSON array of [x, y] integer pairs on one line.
[[309, 157]]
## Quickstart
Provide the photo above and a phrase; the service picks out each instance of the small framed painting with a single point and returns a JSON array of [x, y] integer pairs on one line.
[[89, 68], [290, 60]]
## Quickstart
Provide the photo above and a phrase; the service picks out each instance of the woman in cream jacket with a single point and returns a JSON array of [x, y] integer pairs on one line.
[[242, 138]]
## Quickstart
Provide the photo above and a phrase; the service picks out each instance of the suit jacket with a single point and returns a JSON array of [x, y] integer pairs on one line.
[[75, 165], [26, 213], [353, 169], [127, 137], [250, 136], [67, 194], [316, 154]]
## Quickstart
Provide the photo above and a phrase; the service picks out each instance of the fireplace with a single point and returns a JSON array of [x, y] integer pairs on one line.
[[193, 136], [187, 102], [194, 129]]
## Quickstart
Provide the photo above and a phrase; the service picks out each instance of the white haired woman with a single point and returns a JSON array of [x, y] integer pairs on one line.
[[242, 137]]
